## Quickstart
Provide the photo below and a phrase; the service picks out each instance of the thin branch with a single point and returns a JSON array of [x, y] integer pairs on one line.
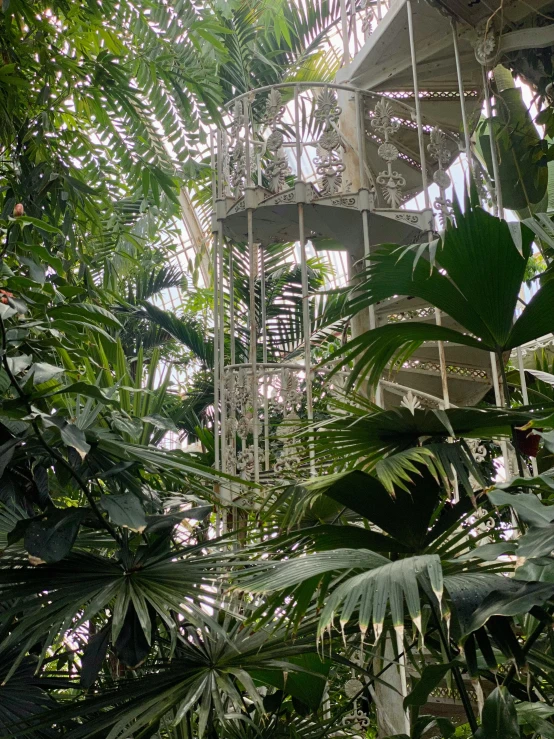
[[455, 671]]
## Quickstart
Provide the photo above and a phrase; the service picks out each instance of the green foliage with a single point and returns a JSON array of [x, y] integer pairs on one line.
[[522, 162], [473, 274]]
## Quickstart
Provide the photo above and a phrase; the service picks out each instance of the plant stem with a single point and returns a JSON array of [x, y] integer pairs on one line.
[[456, 672], [526, 647]]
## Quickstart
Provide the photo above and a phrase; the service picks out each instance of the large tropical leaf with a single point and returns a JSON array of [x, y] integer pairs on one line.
[[369, 592], [473, 274], [155, 584]]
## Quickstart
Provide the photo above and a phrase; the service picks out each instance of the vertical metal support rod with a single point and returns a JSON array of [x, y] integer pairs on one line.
[[297, 135], [216, 353], [219, 359], [371, 309], [499, 400], [305, 310], [494, 155], [354, 26], [344, 31], [525, 394], [365, 214], [420, 139], [442, 362], [365, 223], [522, 379], [223, 410], [215, 313], [231, 303], [425, 183], [306, 323], [247, 157], [499, 397], [264, 359], [461, 93], [403, 675], [360, 138], [253, 253]]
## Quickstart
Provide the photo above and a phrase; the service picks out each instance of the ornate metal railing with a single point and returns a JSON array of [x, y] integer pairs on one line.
[[335, 139]]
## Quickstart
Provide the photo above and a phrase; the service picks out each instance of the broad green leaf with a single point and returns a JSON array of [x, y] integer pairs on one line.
[[6, 453], [430, 678], [51, 538], [166, 424], [510, 601], [527, 505], [130, 426], [125, 510], [19, 363], [499, 717], [88, 390], [42, 372], [307, 683], [75, 437], [386, 587], [38, 223], [169, 521], [523, 179], [536, 715], [85, 311], [44, 254], [537, 542], [93, 657]]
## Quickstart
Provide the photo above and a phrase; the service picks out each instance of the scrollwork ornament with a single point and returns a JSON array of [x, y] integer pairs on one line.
[[440, 153], [276, 168], [353, 687], [438, 149], [329, 167], [382, 119], [357, 720], [442, 179], [242, 389], [485, 44], [276, 171], [226, 165], [444, 208], [289, 458], [237, 166], [327, 109], [231, 428], [328, 161], [245, 427], [274, 141], [388, 152], [411, 402], [238, 120], [391, 181], [392, 184], [274, 110], [367, 18], [478, 449], [246, 462], [230, 461]]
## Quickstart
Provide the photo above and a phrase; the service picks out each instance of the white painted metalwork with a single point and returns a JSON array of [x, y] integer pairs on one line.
[[335, 165], [302, 163]]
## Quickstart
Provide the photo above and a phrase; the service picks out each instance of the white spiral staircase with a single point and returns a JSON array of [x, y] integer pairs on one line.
[[350, 165]]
